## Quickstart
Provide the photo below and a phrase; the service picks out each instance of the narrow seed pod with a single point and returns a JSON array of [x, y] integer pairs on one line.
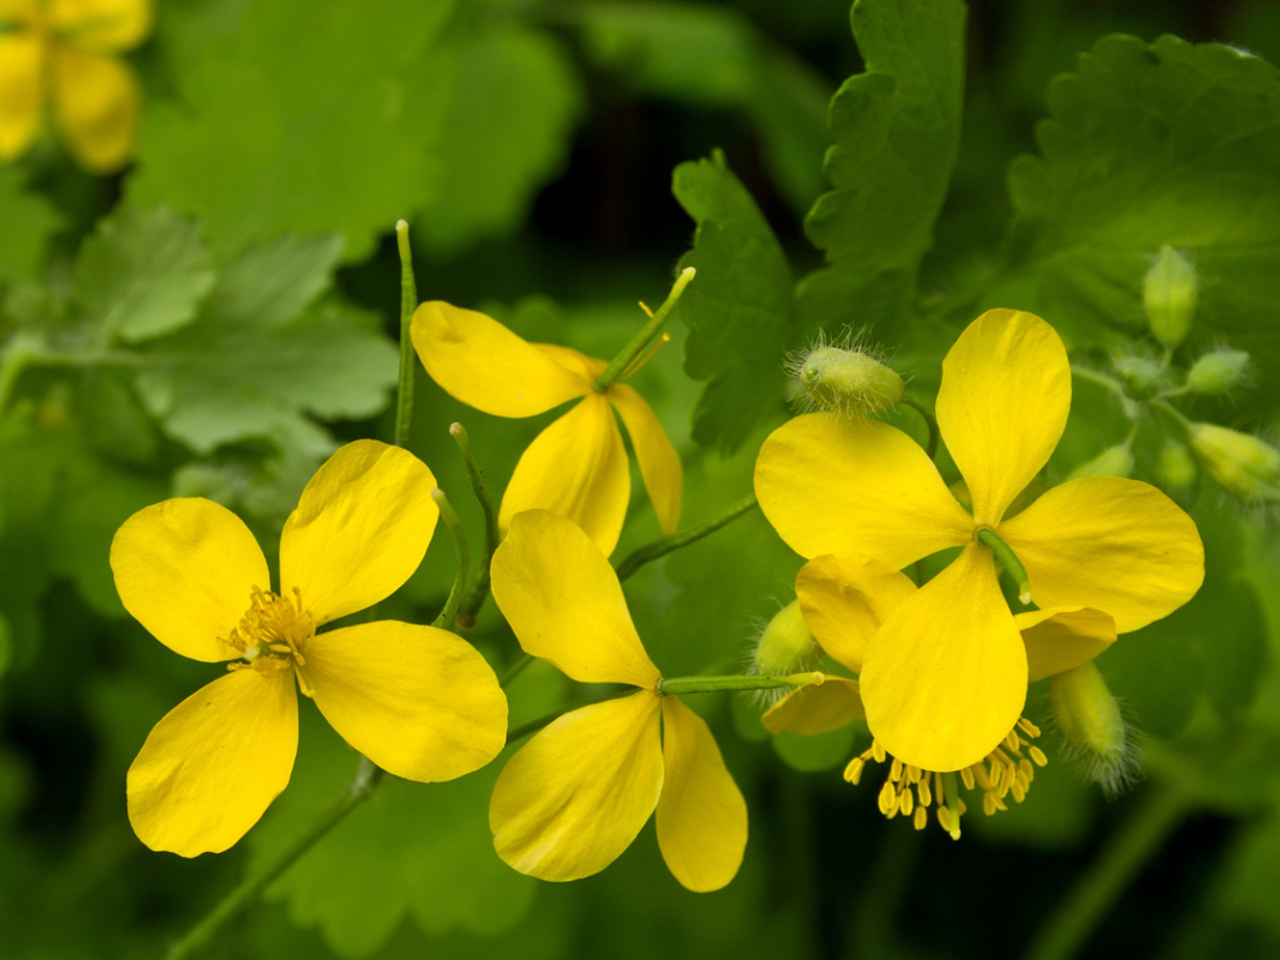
[[1218, 372], [1142, 377], [785, 645], [846, 380], [1170, 292], [1244, 466], [1088, 717], [1114, 461]]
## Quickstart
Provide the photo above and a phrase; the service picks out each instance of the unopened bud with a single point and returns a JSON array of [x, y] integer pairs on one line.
[[785, 645], [850, 381], [1143, 377], [1243, 465], [1217, 372], [1176, 469], [1169, 293], [1114, 461], [1088, 717]]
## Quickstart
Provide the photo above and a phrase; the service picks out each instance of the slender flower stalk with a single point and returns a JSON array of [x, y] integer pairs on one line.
[[408, 303], [462, 555], [479, 589], [660, 548]]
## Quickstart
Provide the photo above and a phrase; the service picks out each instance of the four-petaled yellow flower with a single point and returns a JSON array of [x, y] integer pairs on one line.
[[418, 701], [944, 679], [577, 467], [68, 48], [575, 796], [844, 601]]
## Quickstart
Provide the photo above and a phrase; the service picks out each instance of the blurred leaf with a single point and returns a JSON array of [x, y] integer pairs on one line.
[[115, 424], [1250, 884], [826, 751], [517, 101], [142, 273], [273, 281], [896, 133], [26, 221], [312, 118], [1147, 145], [738, 307], [1056, 815]]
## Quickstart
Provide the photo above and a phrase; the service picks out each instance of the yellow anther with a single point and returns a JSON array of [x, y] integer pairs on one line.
[[888, 798], [895, 771], [1038, 756], [921, 818], [925, 794], [906, 803], [966, 775], [1030, 728], [877, 751], [853, 772], [988, 804]]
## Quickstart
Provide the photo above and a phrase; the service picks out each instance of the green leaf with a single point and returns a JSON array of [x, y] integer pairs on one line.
[[896, 133], [310, 118], [517, 101], [26, 221], [1148, 145], [738, 307], [1250, 884], [142, 274], [825, 751], [273, 281]]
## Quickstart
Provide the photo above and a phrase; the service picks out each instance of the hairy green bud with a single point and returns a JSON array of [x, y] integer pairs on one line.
[[848, 380], [1176, 469], [1169, 293], [1114, 461], [1142, 377], [1244, 466], [785, 645], [1088, 717], [1217, 372]]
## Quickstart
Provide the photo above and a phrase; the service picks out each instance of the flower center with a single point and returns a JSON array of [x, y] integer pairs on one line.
[[273, 635], [910, 790]]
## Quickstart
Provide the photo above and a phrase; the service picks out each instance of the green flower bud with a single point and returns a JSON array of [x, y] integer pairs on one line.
[[785, 645], [1088, 717], [847, 380], [1143, 377], [1217, 372], [1176, 469], [1169, 293], [1114, 461], [1243, 465]]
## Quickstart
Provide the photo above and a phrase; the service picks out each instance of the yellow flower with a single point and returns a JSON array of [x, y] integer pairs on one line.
[[844, 601], [945, 678], [67, 47], [576, 795], [577, 467], [418, 701]]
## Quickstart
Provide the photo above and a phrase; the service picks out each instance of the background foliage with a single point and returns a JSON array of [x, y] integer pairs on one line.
[[216, 319]]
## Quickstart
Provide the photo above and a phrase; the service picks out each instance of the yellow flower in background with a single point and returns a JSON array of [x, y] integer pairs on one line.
[[577, 467], [418, 701], [844, 601], [65, 51], [575, 796], [944, 679]]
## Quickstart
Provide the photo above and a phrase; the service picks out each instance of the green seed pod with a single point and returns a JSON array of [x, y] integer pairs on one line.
[[1088, 717], [785, 646], [1169, 293], [1176, 469], [849, 381], [1114, 461], [1243, 465], [1143, 377], [1217, 372]]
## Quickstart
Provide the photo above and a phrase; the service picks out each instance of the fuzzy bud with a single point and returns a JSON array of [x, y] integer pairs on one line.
[[1243, 465], [1114, 461], [1176, 469], [1088, 717], [1217, 372], [1169, 293], [1143, 377], [847, 380], [785, 646]]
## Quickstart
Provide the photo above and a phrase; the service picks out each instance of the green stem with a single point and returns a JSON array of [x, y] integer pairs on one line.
[[988, 538], [24, 351], [739, 682], [362, 787], [652, 551], [462, 553], [930, 421], [479, 589], [646, 335], [515, 669], [1093, 376], [533, 726], [1129, 848], [408, 304]]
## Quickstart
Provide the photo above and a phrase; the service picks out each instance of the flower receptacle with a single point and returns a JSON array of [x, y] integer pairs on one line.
[[1170, 292]]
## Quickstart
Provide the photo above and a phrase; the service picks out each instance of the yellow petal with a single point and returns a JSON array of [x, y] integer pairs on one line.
[[213, 765], [102, 26], [185, 569], [96, 101], [19, 12], [360, 530], [845, 599], [419, 702], [945, 679], [817, 708], [575, 796], [480, 362], [702, 818], [588, 368], [659, 462], [565, 604], [841, 484], [1062, 638], [577, 467], [1006, 392], [21, 92], [1112, 544]]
